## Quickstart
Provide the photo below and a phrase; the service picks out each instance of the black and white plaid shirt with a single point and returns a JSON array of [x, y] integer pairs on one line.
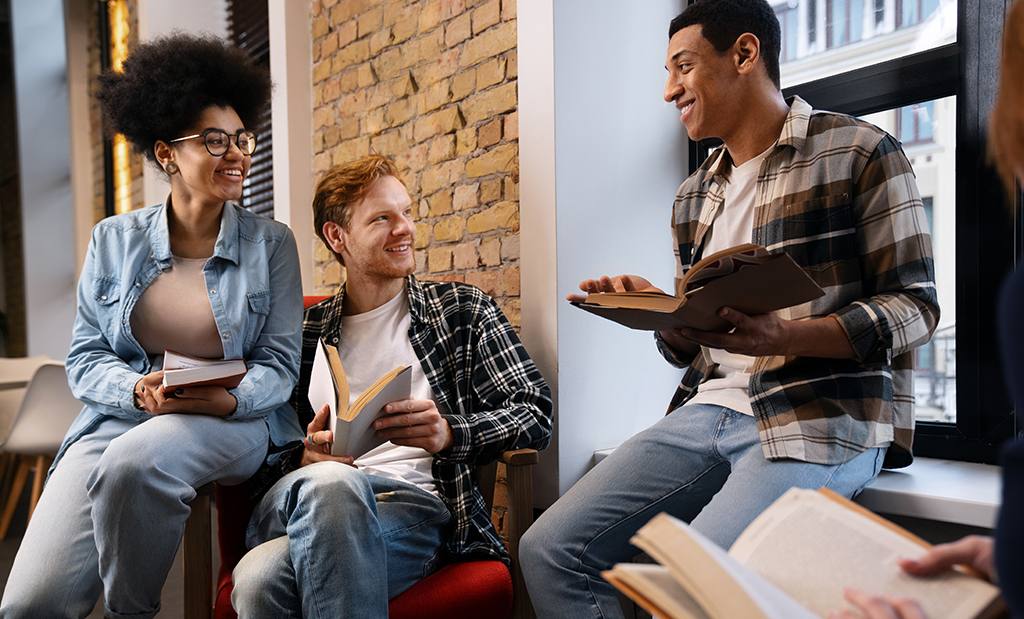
[[484, 383]]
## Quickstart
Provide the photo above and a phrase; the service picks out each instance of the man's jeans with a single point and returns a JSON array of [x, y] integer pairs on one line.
[[114, 510], [702, 464], [336, 542]]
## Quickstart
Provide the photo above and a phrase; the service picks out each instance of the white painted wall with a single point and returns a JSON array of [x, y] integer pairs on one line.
[[160, 17], [48, 225], [601, 156], [291, 66]]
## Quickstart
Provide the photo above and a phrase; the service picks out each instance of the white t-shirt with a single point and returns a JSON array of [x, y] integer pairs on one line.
[[734, 225], [374, 343]]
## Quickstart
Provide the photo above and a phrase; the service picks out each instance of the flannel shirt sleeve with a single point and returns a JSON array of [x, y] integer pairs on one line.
[[901, 309], [512, 408]]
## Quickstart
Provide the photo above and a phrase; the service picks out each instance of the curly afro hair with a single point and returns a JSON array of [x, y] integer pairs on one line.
[[168, 82]]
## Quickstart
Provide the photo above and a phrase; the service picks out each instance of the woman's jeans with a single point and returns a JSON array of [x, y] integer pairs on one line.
[[113, 512]]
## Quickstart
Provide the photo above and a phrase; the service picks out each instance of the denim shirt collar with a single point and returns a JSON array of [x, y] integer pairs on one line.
[[226, 246]]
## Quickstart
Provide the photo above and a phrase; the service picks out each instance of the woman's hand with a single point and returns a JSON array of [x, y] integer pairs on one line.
[[208, 400], [318, 441]]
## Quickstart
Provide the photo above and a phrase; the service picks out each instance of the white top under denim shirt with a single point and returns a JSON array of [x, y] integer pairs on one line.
[[255, 293]]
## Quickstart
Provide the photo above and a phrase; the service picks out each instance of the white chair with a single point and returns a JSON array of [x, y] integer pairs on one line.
[[45, 414], [15, 372]]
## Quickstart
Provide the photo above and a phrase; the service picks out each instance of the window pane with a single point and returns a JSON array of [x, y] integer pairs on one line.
[[934, 163], [859, 33]]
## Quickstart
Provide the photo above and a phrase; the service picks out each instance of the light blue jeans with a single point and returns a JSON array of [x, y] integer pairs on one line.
[[113, 512], [702, 464], [336, 542]]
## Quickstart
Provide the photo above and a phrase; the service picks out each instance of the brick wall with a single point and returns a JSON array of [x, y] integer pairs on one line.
[[431, 83]]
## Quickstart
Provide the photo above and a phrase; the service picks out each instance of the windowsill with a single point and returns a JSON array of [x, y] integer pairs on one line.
[[930, 489]]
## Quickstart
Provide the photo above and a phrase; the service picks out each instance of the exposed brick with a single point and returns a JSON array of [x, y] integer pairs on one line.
[[490, 43], [399, 111], [508, 9], [463, 83], [421, 261], [511, 131], [379, 40], [442, 121], [510, 281], [490, 73], [499, 159], [465, 141], [444, 65], [490, 190], [371, 21], [404, 28], [366, 75], [490, 251], [465, 197], [501, 215], [512, 65], [422, 235], [489, 103], [440, 204], [457, 30], [511, 190], [435, 96], [510, 248], [486, 16], [351, 54], [488, 281], [465, 256], [329, 44], [489, 134], [321, 71], [442, 148], [320, 26], [439, 259], [347, 33]]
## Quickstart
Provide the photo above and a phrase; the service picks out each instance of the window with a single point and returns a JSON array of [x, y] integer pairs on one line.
[[912, 12], [249, 30], [859, 33], [844, 20], [788, 20], [915, 123], [923, 71]]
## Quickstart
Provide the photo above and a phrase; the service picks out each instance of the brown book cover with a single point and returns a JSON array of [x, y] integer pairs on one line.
[[747, 278]]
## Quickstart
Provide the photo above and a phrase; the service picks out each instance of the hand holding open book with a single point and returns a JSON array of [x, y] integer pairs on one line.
[[351, 422], [792, 561], [747, 278]]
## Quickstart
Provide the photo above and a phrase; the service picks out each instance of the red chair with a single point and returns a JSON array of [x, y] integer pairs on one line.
[[467, 589]]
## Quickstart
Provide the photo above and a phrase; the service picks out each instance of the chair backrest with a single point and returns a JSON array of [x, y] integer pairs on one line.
[[10, 402], [483, 474], [19, 369], [45, 414]]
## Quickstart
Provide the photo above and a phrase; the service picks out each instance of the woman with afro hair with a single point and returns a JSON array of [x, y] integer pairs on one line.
[[197, 275]]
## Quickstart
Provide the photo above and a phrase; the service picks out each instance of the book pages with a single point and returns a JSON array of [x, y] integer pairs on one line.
[[718, 583], [655, 590], [812, 547]]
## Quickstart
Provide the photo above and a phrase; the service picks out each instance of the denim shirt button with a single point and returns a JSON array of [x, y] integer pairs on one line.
[[103, 297], [213, 291], [226, 335]]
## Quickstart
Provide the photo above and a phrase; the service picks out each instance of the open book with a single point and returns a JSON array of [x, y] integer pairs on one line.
[[352, 421], [184, 371], [792, 562], [747, 278]]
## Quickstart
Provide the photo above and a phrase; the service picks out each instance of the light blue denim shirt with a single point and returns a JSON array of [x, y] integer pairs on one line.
[[255, 291]]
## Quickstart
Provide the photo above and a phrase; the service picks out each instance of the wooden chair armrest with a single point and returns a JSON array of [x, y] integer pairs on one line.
[[198, 550], [518, 457], [519, 476]]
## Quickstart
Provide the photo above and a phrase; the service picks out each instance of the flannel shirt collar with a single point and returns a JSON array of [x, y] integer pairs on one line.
[[794, 134]]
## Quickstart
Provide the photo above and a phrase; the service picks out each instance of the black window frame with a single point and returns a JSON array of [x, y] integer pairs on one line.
[[989, 239]]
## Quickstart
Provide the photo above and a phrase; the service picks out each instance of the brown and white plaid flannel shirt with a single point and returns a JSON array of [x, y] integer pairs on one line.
[[838, 195]]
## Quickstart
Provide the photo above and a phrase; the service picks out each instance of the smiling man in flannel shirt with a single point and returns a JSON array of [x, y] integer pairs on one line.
[[335, 537], [815, 395]]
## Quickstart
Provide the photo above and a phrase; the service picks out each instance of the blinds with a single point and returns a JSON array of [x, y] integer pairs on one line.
[[249, 30]]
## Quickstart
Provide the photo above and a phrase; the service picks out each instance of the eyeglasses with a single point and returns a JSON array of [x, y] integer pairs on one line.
[[218, 141]]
